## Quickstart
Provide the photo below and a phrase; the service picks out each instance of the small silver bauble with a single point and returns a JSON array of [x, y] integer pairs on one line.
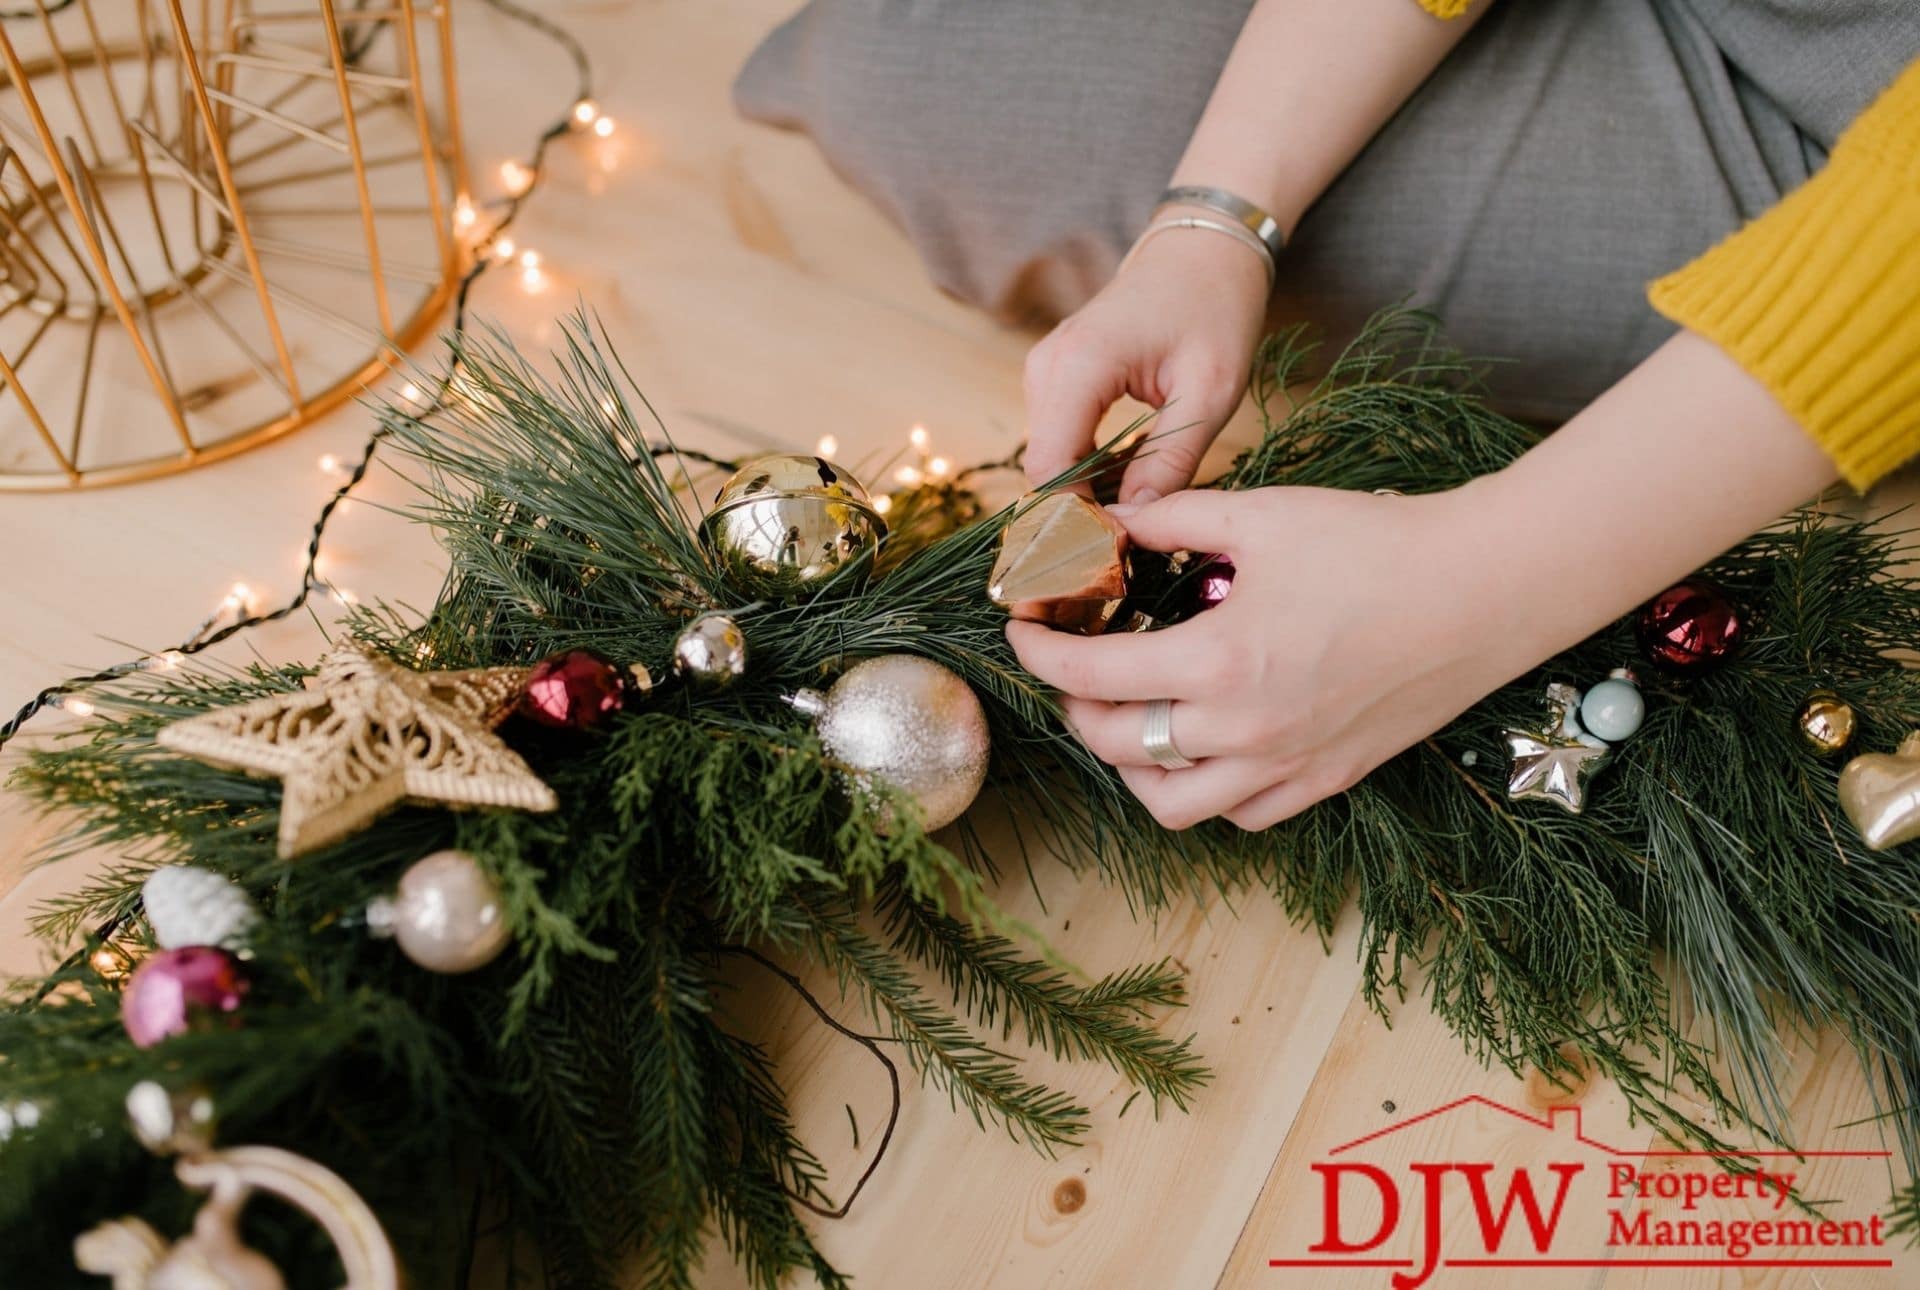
[[186, 906], [785, 521], [909, 722], [710, 651], [446, 915]]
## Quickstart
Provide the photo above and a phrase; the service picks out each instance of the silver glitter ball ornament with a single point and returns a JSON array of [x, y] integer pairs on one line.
[[710, 652], [784, 521], [186, 906], [910, 722], [446, 915]]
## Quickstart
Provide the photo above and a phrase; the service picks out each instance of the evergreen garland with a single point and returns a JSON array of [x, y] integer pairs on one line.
[[584, 1092]]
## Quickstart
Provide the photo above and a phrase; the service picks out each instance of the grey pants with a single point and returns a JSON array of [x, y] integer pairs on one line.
[[1566, 153]]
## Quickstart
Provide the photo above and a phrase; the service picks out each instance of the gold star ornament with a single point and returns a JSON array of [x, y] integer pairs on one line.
[[366, 735]]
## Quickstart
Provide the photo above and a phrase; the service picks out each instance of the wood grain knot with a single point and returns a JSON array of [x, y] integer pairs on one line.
[[1070, 1195], [1572, 1085]]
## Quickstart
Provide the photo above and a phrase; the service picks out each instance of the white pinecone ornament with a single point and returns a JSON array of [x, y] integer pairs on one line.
[[188, 906]]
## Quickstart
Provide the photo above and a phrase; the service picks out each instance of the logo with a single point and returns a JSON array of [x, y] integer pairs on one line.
[[1566, 1200]]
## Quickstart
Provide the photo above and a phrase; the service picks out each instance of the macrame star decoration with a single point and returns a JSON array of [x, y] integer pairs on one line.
[[365, 736], [1555, 764]]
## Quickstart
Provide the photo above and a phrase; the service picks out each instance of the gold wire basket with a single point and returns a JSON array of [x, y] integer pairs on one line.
[[218, 220]]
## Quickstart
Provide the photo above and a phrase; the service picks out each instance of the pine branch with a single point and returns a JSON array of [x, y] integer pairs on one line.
[[998, 986], [987, 1083]]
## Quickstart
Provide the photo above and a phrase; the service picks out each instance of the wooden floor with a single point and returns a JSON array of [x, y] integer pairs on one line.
[[758, 301]]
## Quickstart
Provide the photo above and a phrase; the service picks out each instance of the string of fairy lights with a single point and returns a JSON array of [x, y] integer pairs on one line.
[[483, 230]]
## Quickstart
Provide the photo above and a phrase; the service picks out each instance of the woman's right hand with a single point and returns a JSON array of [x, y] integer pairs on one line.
[[1176, 329]]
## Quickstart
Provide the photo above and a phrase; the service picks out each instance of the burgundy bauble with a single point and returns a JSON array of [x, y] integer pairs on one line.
[[574, 690], [1692, 626], [1213, 581], [173, 990]]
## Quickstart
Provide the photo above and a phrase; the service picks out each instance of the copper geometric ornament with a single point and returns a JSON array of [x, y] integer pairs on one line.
[[365, 736], [219, 219]]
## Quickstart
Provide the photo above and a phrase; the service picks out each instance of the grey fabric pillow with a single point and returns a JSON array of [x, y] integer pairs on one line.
[[987, 128], [1564, 155]]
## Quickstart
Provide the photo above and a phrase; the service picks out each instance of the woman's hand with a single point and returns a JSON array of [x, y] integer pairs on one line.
[[1356, 626], [1176, 328]]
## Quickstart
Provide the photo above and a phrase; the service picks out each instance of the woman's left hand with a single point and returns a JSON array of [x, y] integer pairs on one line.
[[1357, 625]]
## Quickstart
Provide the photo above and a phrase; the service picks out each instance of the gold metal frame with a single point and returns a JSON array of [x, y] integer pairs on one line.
[[141, 248]]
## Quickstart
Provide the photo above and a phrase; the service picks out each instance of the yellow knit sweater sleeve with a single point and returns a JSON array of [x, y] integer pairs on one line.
[[1819, 298]]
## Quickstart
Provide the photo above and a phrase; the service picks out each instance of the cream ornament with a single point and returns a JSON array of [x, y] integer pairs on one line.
[[365, 736], [214, 1256], [1880, 793]]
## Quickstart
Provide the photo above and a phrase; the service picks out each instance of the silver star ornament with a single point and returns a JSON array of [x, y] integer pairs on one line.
[[1557, 763]]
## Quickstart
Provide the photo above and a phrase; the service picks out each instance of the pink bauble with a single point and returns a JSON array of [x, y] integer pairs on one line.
[[1215, 579], [574, 690], [172, 990]]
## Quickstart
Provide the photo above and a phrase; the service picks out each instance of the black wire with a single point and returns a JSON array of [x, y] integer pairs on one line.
[[583, 89], [869, 1042], [15, 15]]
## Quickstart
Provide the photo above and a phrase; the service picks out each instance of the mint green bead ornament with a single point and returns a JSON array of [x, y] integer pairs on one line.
[[1613, 709]]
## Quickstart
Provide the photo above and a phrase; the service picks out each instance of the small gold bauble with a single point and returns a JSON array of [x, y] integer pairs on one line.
[[710, 652], [784, 522], [1826, 722]]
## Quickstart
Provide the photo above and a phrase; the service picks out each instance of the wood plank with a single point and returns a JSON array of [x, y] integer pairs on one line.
[[759, 302]]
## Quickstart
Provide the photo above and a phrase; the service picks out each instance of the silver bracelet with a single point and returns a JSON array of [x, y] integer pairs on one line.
[[1234, 207], [1238, 232]]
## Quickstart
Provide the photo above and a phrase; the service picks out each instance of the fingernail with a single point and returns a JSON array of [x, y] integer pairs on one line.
[[1142, 496], [1122, 509]]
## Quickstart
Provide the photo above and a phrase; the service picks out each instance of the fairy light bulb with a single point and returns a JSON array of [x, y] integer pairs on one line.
[[410, 392], [908, 475], [239, 596], [883, 503], [515, 177], [603, 127], [529, 259], [464, 215], [503, 248], [78, 706], [919, 438], [330, 464], [586, 111], [827, 447], [167, 661], [938, 467]]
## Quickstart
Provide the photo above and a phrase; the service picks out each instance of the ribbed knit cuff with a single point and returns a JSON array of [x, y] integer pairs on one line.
[[1819, 298]]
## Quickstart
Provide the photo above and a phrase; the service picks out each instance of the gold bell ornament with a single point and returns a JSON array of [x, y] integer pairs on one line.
[[784, 522]]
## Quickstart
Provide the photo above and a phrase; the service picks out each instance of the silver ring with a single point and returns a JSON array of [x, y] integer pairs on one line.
[[1156, 737]]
